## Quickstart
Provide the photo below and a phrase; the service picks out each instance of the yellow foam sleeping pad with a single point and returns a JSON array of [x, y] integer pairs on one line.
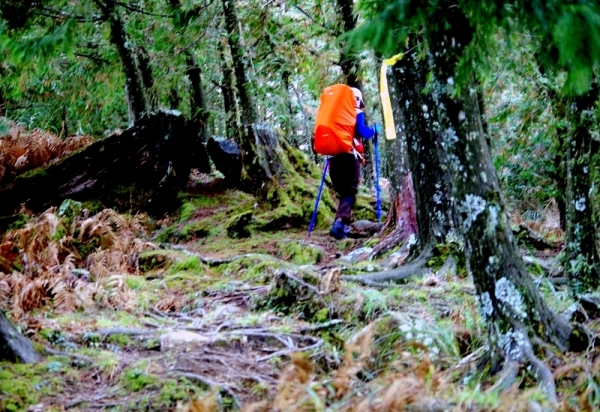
[[386, 104]]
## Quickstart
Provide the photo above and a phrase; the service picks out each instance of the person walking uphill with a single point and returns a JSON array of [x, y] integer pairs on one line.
[[344, 170]]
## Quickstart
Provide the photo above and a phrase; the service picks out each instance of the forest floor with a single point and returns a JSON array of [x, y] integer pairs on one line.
[[179, 315]]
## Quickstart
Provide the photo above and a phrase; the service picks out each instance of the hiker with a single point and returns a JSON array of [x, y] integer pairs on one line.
[[344, 170]]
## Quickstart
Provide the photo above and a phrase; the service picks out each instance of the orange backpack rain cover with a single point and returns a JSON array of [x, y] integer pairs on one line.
[[336, 119]]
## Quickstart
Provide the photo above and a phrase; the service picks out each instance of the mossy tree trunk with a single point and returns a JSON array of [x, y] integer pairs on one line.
[[229, 104], [134, 85], [512, 307], [582, 261], [260, 159], [198, 106], [13, 345]]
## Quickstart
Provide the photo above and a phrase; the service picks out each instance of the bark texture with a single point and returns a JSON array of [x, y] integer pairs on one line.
[[13, 345], [415, 111], [510, 304], [582, 261]]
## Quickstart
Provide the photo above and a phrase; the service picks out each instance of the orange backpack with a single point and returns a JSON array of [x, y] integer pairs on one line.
[[336, 119]]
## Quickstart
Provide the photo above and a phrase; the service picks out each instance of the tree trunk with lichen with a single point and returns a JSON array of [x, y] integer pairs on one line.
[[13, 345], [511, 306], [415, 111], [582, 261], [260, 152]]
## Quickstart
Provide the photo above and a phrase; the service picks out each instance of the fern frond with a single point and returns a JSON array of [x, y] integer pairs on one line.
[[86, 227], [64, 300], [5, 291], [17, 281], [53, 221], [33, 294]]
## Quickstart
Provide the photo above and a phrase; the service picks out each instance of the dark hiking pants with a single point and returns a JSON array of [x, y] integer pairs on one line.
[[344, 170]]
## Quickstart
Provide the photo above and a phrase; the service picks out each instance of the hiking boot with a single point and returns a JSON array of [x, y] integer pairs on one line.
[[337, 230]]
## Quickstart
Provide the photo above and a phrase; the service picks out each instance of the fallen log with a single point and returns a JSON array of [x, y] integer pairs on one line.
[[141, 169]]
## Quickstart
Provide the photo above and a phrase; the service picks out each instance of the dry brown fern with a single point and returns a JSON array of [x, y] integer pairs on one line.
[[46, 249], [23, 150]]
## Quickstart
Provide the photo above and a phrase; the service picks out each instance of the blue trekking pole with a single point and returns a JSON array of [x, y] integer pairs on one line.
[[377, 188], [314, 213]]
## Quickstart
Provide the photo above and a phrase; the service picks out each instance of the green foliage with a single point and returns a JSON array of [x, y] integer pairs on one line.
[[572, 31], [525, 126], [42, 47]]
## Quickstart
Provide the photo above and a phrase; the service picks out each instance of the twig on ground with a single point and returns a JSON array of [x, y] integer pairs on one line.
[[300, 281], [320, 326], [83, 358], [123, 331], [468, 359], [289, 351], [160, 318], [106, 392]]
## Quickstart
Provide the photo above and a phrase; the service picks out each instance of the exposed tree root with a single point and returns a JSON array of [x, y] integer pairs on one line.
[[553, 269], [82, 358], [528, 236], [542, 374], [415, 268], [520, 352], [508, 376]]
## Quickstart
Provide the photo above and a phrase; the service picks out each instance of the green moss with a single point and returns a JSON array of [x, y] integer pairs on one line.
[[289, 297], [119, 339], [238, 225], [94, 206], [137, 377], [22, 385], [34, 173], [186, 211], [171, 392], [441, 254], [322, 315], [154, 260], [18, 221], [188, 264], [195, 230], [300, 253], [135, 282]]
